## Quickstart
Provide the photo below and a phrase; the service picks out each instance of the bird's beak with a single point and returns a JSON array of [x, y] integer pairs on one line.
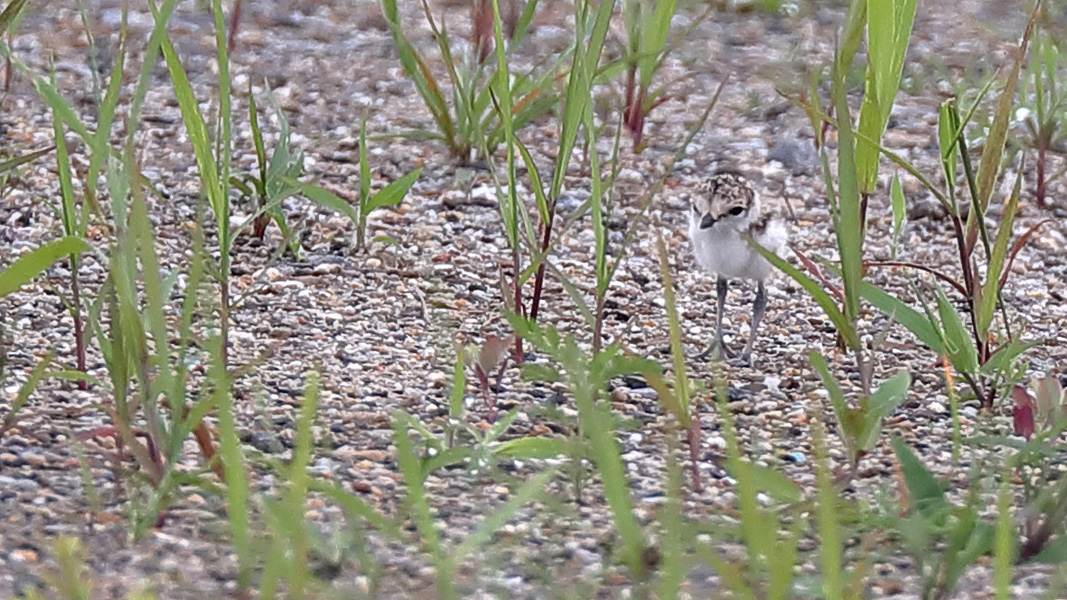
[[707, 221]]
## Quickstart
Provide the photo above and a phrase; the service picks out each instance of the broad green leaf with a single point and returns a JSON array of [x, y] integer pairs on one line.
[[392, 194], [1055, 553], [882, 402], [1002, 358], [912, 320], [327, 199], [33, 263], [925, 492], [776, 485], [532, 371], [889, 25], [948, 126], [959, 345], [824, 300], [11, 11], [527, 448]]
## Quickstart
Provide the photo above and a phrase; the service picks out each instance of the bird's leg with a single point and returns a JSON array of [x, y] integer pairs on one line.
[[718, 347], [759, 307]]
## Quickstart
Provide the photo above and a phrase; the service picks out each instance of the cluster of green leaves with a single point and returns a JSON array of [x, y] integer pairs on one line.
[[278, 179], [469, 124], [1043, 107]]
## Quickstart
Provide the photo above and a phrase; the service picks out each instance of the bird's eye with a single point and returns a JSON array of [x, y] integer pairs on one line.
[[736, 211], [694, 207]]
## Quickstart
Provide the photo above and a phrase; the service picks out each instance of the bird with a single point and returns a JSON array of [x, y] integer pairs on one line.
[[725, 210]]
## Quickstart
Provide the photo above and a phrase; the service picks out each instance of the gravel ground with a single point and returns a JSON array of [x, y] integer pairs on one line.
[[380, 325]]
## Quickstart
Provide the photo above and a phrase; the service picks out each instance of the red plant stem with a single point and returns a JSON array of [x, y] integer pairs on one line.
[[235, 19], [519, 358], [539, 281], [1041, 176], [968, 281], [693, 438]]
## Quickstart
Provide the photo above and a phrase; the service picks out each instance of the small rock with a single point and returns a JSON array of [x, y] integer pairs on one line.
[[794, 154]]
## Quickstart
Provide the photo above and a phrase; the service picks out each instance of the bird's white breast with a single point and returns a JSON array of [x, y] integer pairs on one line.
[[721, 249]]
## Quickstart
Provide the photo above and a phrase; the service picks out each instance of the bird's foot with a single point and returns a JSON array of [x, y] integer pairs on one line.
[[717, 351], [743, 359]]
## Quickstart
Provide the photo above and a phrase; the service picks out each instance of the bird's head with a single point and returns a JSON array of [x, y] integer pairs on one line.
[[725, 198]]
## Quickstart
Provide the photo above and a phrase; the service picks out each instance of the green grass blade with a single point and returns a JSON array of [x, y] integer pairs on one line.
[[674, 563], [989, 164], [848, 224], [418, 504], [364, 166], [529, 492], [1004, 546], [233, 468], [150, 59], [991, 289], [198, 136], [576, 99], [358, 508], [900, 212], [296, 495], [948, 127], [33, 263], [653, 36], [756, 528], [106, 112], [13, 163], [681, 377], [257, 139], [420, 74], [225, 138], [830, 547], [66, 186], [26, 390], [459, 384], [833, 389]]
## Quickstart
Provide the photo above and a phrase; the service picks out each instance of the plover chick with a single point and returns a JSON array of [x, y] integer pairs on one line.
[[723, 210]]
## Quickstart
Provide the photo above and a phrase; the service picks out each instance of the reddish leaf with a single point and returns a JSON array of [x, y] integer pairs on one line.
[[493, 351], [1023, 412], [817, 272], [1018, 245]]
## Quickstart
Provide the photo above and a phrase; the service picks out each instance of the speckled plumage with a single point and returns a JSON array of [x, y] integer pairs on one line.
[[724, 210], [734, 205]]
